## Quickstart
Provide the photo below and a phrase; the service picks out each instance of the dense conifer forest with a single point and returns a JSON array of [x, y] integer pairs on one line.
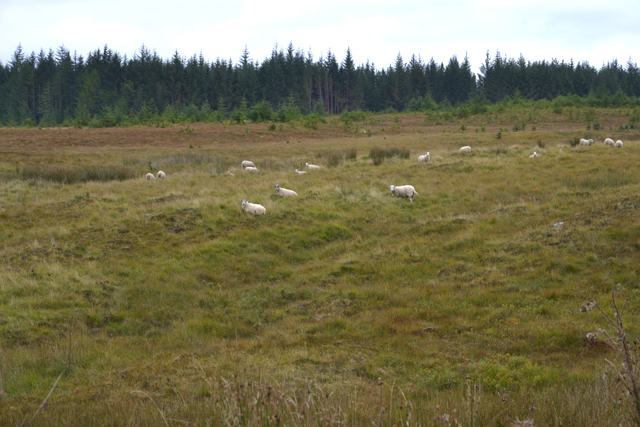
[[109, 89]]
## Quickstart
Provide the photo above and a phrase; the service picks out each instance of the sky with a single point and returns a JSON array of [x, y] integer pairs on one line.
[[375, 30]]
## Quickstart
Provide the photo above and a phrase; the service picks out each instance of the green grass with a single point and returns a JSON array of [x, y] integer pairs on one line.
[[163, 299]]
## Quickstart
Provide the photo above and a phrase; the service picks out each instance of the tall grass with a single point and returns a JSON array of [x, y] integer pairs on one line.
[[378, 155], [82, 174]]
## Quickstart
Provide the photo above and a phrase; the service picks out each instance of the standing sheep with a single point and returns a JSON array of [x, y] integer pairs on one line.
[[609, 141], [248, 163], [253, 208], [283, 192], [251, 169], [404, 191], [619, 144], [300, 172], [161, 175], [311, 166], [425, 158], [586, 142], [150, 177], [465, 150]]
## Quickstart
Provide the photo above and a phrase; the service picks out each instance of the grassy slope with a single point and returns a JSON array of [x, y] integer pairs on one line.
[[154, 286]]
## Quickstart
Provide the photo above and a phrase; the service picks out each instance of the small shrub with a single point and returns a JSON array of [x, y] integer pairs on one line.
[[272, 127], [350, 154], [596, 126], [334, 159], [574, 141], [499, 134]]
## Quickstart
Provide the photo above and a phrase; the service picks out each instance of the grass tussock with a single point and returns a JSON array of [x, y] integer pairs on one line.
[[378, 155], [64, 175]]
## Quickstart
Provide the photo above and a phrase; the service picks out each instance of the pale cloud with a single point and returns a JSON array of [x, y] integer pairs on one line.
[[376, 30]]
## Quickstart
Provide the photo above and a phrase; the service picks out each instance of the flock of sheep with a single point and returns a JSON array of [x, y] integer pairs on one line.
[[403, 191], [608, 142]]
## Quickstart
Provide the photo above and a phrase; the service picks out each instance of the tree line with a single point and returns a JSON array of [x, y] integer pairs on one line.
[[56, 87]]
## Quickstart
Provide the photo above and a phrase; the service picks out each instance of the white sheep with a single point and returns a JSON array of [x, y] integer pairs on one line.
[[619, 144], [425, 158], [300, 172], [465, 150], [586, 142], [231, 173], [283, 192], [404, 191], [253, 208], [251, 169], [311, 166], [248, 163], [534, 155], [150, 177], [609, 141], [161, 175]]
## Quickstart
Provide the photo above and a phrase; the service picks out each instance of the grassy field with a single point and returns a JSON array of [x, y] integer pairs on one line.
[[162, 303]]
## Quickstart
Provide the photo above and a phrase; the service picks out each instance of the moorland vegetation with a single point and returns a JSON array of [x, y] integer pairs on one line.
[[162, 303]]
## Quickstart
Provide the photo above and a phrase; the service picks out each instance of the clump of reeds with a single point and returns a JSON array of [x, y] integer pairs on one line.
[[378, 155], [85, 174]]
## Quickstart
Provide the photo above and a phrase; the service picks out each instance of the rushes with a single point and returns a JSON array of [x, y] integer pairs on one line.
[[378, 155], [85, 174]]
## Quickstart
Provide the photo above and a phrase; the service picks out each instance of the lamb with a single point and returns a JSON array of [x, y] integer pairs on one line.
[[534, 155], [161, 175], [425, 158], [251, 169], [586, 142], [609, 141], [404, 191], [619, 144], [312, 166], [248, 163], [300, 172], [465, 150], [283, 192], [150, 177], [253, 208]]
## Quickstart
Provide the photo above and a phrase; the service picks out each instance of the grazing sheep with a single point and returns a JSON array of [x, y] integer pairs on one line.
[[253, 208], [150, 177], [609, 141], [534, 155], [251, 169], [586, 142], [248, 163], [425, 158], [283, 192], [619, 144], [465, 150], [311, 166], [300, 172], [404, 191], [161, 175]]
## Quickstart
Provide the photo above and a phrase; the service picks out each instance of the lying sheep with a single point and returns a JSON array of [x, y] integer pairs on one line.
[[231, 173], [300, 172], [251, 169], [150, 177], [253, 208], [404, 191], [586, 142], [609, 141], [619, 144], [425, 158], [283, 192], [465, 150], [534, 155], [311, 166], [248, 163], [161, 175]]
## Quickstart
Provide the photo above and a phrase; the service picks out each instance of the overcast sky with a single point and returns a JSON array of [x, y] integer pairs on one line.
[[376, 30]]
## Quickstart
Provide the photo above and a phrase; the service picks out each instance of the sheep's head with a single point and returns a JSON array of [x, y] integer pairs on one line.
[[277, 187], [296, 170], [306, 164], [392, 188], [244, 202]]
